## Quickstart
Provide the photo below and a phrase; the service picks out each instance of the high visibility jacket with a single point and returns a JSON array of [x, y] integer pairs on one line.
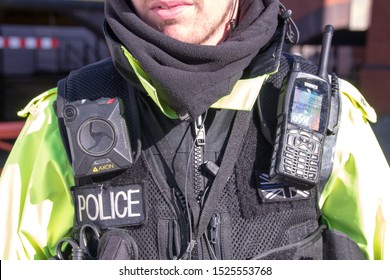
[[37, 208]]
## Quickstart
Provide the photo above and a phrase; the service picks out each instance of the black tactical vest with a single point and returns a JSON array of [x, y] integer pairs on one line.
[[151, 210]]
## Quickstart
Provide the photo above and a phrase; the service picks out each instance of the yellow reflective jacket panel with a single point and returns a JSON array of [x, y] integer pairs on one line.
[[37, 208], [355, 200], [36, 205]]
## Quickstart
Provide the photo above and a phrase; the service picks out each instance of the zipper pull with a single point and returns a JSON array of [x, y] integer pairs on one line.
[[215, 236], [214, 232], [200, 132]]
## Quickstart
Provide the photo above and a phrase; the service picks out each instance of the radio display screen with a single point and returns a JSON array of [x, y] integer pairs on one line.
[[306, 108]]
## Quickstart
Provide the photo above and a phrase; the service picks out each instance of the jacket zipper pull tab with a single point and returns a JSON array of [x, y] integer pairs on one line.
[[215, 238], [200, 132], [214, 228]]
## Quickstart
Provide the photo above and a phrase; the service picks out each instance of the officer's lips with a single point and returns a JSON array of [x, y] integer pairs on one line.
[[166, 10]]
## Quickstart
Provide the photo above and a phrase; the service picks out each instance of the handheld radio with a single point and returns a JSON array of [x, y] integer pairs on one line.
[[302, 120]]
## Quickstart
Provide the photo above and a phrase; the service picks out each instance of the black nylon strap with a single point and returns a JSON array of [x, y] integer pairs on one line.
[[233, 147], [155, 132]]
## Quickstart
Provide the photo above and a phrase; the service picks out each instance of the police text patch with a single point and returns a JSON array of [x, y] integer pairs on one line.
[[109, 206]]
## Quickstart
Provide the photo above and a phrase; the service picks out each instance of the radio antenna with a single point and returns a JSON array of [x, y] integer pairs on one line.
[[324, 59]]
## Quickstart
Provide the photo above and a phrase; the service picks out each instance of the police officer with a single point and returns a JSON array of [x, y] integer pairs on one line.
[[190, 78]]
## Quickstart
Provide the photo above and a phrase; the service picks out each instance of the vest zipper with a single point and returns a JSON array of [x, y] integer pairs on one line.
[[200, 142], [198, 180], [215, 235]]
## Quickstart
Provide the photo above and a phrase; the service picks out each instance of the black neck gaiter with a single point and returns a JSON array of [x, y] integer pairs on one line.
[[191, 77]]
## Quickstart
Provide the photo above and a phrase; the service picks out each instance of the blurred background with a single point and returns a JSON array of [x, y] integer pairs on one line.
[[42, 40]]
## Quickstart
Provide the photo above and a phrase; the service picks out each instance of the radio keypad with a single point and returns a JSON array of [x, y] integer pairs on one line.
[[302, 154]]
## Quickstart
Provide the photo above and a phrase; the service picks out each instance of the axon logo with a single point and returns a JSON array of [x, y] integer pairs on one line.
[[109, 206]]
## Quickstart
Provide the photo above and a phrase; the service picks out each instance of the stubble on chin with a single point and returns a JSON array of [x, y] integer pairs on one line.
[[200, 32]]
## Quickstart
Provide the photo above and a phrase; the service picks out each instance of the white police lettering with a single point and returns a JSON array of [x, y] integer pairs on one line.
[[109, 206], [119, 205]]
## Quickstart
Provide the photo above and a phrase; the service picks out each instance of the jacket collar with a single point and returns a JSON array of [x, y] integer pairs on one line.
[[265, 63]]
